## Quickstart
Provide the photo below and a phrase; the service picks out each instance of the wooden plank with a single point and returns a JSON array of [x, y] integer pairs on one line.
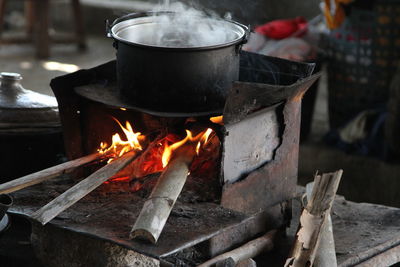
[[46, 174], [84, 187]]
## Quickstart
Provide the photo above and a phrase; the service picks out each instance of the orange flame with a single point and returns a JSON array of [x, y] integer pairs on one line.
[[157, 154], [201, 138], [218, 120], [119, 147]]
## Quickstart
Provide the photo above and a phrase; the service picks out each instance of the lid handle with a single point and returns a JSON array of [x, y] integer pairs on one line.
[[13, 76]]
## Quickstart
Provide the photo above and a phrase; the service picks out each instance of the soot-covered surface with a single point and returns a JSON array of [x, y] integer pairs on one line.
[[110, 216]]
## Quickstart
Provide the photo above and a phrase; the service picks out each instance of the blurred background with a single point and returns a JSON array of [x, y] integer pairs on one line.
[[350, 117]]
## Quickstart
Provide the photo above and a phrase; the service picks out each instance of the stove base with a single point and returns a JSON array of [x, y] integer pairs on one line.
[[94, 232], [59, 247]]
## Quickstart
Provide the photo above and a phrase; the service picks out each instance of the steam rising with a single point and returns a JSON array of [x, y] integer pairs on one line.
[[184, 27]]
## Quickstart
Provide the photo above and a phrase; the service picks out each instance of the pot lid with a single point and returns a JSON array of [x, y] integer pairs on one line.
[[175, 30], [21, 107]]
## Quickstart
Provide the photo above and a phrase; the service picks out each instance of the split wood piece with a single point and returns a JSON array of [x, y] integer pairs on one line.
[[158, 206], [326, 253], [313, 218], [46, 174], [81, 189], [249, 250]]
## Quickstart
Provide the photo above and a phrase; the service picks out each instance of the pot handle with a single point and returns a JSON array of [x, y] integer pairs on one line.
[[108, 28], [246, 29]]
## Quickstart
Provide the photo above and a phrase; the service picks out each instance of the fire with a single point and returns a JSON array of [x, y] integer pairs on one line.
[[218, 120], [156, 154], [119, 147], [201, 138]]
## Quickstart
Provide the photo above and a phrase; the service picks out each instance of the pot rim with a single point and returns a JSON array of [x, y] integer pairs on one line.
[[119, 24]]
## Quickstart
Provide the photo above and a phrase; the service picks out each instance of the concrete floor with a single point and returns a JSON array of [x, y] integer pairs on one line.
[[64, 59]]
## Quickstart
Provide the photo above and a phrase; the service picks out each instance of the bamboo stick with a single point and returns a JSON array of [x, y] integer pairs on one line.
[[229, 262], [249, 250], [84, 187], [326, 254], [313, 218], [46, 174], [158, 206]]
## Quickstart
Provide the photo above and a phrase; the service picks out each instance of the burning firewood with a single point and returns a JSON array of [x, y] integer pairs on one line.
[[116, 149], [249, 250], [84, 187], [313, 218], [46, 174], [120, 154], [158, 206]]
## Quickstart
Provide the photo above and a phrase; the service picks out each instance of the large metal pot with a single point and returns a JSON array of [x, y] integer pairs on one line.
[[180, 71]]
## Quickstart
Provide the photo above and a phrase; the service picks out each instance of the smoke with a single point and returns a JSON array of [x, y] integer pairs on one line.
[[185, 26]]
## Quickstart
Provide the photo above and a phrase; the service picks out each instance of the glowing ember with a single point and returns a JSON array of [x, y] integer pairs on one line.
[[218, 120], [119, 147], [118, 179]]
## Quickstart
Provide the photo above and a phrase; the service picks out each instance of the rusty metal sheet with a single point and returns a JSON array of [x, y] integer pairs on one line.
[[275, 181], [245, 98], [262, 222], [249, 144]]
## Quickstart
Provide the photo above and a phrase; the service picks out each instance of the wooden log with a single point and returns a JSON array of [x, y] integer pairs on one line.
[[249, 250], [81, 189], [158, 206], [313, 218], [46, 174]]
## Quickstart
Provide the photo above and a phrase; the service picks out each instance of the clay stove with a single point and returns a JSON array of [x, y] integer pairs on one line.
[[246, 190]]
